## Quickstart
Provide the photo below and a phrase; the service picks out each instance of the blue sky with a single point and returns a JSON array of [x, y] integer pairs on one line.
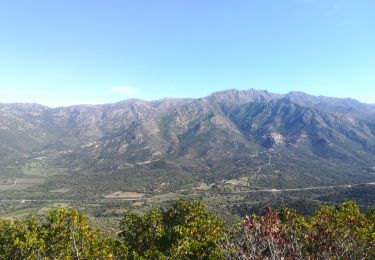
[[66, 52]]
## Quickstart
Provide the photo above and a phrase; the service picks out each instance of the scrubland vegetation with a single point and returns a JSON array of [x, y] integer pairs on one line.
[[188, 230]]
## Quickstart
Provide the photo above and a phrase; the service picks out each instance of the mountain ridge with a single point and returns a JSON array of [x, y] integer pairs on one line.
[[222, 92], [294, 139]]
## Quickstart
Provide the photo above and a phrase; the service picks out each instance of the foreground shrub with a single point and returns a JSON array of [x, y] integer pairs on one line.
[[186, 231], [65, 234], [340, 232], [189, 231], [268, 237]]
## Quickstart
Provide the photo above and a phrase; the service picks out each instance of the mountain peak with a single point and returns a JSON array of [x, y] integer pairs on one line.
[[242, 96]]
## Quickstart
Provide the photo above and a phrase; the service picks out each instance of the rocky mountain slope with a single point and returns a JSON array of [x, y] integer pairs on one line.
[[282, 141]]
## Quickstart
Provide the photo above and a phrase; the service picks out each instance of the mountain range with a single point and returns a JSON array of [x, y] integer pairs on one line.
[[275, 141]]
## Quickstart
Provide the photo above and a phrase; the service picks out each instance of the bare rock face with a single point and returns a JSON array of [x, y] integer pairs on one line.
[[225, 133]]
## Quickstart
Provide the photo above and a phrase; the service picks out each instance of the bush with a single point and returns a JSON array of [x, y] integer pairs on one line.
[[65, 234], [186, 231], [340, 232]]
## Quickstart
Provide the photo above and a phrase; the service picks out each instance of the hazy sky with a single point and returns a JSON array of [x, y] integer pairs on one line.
[[61, 52]]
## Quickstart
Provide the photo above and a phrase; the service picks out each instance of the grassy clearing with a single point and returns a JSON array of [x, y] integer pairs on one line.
[[22, 212], [62, 190], [138, 203], [125, 195], [17, 184], [242, 181], [204, 186], [164, 197]]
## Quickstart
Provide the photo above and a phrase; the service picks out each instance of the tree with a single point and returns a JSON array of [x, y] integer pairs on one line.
[[341, 232], [68, 235], [21, 239], [65, 234], [186, 231], [275, 235]]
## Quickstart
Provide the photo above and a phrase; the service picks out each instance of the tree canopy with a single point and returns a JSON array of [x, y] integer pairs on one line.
[[188, 230]]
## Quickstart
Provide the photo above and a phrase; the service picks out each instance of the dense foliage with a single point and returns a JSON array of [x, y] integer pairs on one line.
[[188, 231], [65, 234], [340, 232]]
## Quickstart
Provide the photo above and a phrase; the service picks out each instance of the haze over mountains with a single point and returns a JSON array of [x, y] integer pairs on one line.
[[277, 141]]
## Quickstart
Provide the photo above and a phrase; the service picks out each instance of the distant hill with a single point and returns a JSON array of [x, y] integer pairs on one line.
[[279, 141]]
